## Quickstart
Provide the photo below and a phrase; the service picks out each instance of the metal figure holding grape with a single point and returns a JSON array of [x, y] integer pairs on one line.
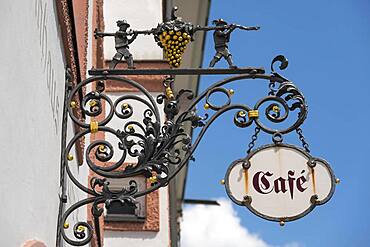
[[173, 36], [221, 38], [122, 40]]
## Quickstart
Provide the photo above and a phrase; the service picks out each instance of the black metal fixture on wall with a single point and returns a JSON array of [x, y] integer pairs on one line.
[[158, 146]]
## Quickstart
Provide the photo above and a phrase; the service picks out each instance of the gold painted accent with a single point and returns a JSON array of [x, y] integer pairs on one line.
[[94, 126], [337, 180], [222, 181], [206, 106], [101, 148], [253, 114], [153, 179], [124, 106], [92, 103], [73, 104], [231, 92], [81, 228], [313, 181], [246, 180], [282, 223], [69, 157], [65, 225], [242, 114], [169, 93], [131, 128], [276, 108]]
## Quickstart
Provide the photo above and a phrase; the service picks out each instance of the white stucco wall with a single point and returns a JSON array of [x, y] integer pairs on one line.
[[31, 104], [141, 15], [144, 239]]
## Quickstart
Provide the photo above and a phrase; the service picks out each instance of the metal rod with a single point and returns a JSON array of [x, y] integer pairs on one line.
[[63, 196], [97, 230], [199, 201], [195, 71]]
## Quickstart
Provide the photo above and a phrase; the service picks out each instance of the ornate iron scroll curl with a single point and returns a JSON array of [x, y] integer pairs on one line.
[[156, 146]]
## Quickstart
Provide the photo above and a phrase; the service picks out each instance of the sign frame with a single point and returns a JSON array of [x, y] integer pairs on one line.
[[248, 199]]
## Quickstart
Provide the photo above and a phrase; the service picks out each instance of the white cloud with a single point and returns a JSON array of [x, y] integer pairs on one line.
[[216, 226]]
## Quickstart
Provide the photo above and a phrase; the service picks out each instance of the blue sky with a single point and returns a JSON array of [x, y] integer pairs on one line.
[[328, 47]]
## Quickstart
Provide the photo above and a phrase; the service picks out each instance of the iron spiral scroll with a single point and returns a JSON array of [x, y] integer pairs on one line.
[[158, 146]]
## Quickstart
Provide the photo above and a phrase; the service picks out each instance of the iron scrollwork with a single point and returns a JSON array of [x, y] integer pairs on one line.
[[158, 146]]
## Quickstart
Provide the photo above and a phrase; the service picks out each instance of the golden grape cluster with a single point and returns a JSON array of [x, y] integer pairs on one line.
[[174, 44]]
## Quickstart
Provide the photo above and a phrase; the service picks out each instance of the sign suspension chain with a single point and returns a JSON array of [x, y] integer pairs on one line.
[[303, 140], [254, 139]]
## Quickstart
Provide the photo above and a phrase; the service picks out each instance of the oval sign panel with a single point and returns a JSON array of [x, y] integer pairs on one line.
[[280, 182]]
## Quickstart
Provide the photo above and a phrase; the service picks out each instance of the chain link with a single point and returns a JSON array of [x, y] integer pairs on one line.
[[254, 139], [303, 140]]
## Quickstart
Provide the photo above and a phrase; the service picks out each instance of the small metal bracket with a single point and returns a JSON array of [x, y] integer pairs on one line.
[[277, 138]]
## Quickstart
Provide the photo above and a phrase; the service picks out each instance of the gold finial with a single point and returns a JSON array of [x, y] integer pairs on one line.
[[337, 180], [94, 126], [124, 106], [73, 104], [65, 225], [282, 223], [231, 92], [69, 157], [276, 108], [206, 106], [253, 114], [222, 181]]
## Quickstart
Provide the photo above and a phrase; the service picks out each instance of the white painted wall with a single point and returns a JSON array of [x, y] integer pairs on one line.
[[144, 239], [31, 99], [142, 15]]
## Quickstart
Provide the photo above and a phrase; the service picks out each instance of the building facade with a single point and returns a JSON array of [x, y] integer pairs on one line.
[[48, 46]]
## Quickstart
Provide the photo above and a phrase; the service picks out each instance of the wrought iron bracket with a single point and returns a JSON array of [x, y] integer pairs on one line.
[[196, 71], [161, 150]]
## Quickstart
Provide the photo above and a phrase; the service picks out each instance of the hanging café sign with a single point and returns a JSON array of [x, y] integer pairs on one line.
[[280, 182], [277, 181]]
